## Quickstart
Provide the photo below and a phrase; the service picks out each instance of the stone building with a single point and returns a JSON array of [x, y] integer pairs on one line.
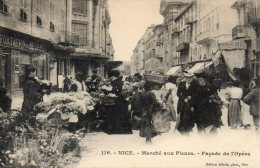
[[60, 37], [89, 25], [248, 31], [170, 9], [138, 58], [194, 30], [27, 31]]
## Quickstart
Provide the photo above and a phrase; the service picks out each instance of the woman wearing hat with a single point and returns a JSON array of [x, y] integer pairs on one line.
[[185, 93], [32, 91], [118, 117]]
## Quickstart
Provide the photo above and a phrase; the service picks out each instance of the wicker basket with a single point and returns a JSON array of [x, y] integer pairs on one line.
[[161, 79]]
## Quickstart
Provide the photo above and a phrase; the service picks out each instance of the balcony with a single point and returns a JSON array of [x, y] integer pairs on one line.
[[79, 17], [205, 37], [183, 46], [240, 31], [190, 21], [159, 55], [176, 30], [69, 38]]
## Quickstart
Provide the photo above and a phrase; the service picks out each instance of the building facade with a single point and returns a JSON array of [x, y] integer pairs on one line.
[[91, 20], [138, 58], [61, 37], [27, 31], [248, 30], [193, 31], [170, 9]]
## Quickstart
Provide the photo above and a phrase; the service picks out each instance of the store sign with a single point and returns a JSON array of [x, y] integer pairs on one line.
[[19, 43], [234, 45]]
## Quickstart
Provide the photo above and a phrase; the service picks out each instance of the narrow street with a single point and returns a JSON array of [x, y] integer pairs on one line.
[[95, 145]]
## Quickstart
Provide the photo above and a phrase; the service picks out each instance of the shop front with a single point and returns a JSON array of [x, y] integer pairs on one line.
[[17, 52], [85, 62]]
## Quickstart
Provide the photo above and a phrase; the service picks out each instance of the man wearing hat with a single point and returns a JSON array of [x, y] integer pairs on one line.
[[207, 113], [5, 101], [185, 93]]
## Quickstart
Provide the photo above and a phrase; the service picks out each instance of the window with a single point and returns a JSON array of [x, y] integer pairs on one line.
[[80, 29], [52, 28], [23, 15], [52, 11], [38, 20], [3, 7], [79, 6]]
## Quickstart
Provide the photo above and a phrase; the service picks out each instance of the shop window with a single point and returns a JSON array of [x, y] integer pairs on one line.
[[23, 15], [52, 28], [38, 21], [3, 7]]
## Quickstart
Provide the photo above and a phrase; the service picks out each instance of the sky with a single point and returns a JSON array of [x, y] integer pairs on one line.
[[129, 20]]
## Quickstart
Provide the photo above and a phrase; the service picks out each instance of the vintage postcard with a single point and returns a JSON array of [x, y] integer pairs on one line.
[[129, 83]]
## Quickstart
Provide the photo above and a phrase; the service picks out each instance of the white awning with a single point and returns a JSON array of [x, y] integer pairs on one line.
[[199, 67], [173, 70], [196, 67], [206, 65]]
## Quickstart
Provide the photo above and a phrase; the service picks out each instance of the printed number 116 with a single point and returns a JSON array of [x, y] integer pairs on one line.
[[105, 152]]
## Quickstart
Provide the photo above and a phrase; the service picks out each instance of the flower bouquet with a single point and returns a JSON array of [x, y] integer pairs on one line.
[[67, 105]]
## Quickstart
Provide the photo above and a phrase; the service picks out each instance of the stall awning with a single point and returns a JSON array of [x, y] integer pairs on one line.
[[205, 66], [199, 67], [173, 70]]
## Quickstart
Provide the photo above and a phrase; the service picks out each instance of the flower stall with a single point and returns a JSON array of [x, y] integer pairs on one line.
[[48, 143]]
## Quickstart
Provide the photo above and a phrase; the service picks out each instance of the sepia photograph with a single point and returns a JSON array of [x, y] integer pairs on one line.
[[129, 83]]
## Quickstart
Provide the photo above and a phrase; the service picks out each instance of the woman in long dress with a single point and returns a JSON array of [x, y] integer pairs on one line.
[[149, 107], [234, 96], [117, 117], [169, 94]]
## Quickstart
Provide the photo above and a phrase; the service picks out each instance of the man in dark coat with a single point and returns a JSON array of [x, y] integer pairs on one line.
[[252, 99], [32, 92], [185, 93], [206, 112]]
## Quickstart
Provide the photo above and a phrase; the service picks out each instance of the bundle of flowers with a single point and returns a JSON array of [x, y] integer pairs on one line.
[[48, 149], [46, 82], [69, 105]]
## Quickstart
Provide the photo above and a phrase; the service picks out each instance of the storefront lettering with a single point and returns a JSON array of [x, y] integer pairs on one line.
[[19, 43]]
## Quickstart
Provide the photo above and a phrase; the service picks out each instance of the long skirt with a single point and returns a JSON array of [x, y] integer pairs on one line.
[[161, 122], [146, 127], [234, 113]]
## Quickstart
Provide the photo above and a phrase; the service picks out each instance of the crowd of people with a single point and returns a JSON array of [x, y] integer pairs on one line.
[[137, 104]]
